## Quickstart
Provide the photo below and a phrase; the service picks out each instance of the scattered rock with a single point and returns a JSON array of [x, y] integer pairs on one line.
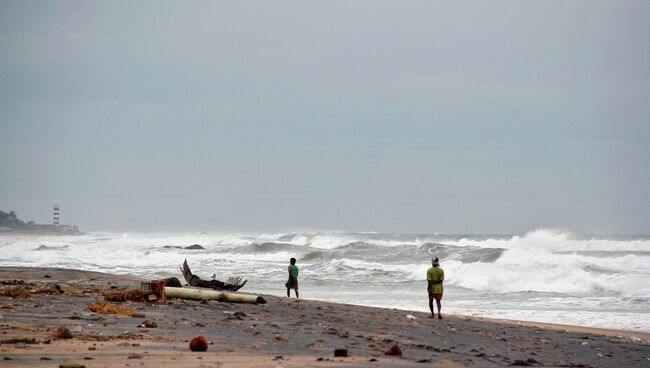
[[47, 276], [63, 333], [194, 247], [46, 358], [341, 352], [199, 344], [71, 365], [8, 306], [19, 341], [135, 356], [280, 338], [372, 360], [525, 363], [148, 324], [173, 282], [394, 351]]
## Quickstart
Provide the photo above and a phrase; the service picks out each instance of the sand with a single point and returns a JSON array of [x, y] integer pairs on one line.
[[282, 333]]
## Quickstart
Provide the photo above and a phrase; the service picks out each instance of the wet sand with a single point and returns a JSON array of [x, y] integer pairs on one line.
[[282, 333]]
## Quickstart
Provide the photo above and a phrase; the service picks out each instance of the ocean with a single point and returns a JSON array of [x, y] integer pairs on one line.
[[543, 275]]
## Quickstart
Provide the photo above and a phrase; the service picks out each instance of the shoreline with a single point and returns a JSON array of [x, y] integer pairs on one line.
[[520, 322], [549, 325], [286, 332]]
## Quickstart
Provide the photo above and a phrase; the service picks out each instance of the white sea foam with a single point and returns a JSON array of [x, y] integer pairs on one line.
[[557, 273]]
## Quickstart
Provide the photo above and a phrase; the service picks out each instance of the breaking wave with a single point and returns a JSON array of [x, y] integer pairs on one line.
[[559, 267]]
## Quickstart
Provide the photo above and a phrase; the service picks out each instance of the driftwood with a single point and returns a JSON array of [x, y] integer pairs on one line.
[[232, 284]]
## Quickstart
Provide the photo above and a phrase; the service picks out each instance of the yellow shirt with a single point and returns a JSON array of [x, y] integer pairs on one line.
[[435, 274]]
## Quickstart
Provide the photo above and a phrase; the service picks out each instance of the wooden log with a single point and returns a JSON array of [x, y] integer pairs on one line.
[[222, 296]]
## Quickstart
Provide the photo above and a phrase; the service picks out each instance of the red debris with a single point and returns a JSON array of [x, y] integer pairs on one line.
[[199, 344], [394, 350], [63, 333]]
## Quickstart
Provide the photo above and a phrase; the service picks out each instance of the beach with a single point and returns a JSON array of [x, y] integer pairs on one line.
[[284, 332]]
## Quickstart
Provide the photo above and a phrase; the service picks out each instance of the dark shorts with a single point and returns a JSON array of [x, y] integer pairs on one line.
[[292, 283], [437, 296]]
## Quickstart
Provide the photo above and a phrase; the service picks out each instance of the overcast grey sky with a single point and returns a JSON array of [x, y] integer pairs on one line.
[[463, 116]]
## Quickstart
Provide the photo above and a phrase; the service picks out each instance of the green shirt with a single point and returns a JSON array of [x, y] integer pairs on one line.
[[435, 274], [294, 270]]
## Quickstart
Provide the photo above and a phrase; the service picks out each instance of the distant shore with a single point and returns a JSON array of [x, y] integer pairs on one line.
[[42, 230], [285, 332]]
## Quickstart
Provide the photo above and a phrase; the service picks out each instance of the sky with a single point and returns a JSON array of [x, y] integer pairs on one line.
[[418, 116]]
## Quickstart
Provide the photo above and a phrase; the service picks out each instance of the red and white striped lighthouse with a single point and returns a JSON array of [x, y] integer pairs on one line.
[[56, 215]]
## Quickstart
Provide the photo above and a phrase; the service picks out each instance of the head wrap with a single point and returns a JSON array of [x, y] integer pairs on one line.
[[434, 262]]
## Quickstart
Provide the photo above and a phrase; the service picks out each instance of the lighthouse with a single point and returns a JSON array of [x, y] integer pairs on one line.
[[56, 215]]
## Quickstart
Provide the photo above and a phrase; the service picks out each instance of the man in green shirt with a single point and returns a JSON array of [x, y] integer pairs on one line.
[[435, 277], [292, 283]]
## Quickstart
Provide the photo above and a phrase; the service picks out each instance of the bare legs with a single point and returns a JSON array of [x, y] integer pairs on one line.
[[289, 293], [438, 304]]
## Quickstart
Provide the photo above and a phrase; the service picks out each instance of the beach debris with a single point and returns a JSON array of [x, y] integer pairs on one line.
[[173, 282], [154, 290], [8, 306], [20, 340], [71, 365], [222, 296], [394, 351], [411, 317], [231, 284], [240, 315], [104, 307], [341, 353], [148, 324], [124, 295], [56, 289], [13, 282], [63, 332], [17, 291], [281, 339], [525, 363], [199, 344], [134, 356]]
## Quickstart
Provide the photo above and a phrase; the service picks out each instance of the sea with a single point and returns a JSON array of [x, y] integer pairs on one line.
[[543, 275]]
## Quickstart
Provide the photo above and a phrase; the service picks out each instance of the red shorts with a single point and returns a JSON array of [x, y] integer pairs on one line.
[[436, 296]]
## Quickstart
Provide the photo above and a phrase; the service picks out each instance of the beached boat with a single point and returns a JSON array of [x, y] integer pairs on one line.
[[231, 284]]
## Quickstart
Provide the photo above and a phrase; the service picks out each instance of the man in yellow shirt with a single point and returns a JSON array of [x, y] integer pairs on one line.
[[435, 277]]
